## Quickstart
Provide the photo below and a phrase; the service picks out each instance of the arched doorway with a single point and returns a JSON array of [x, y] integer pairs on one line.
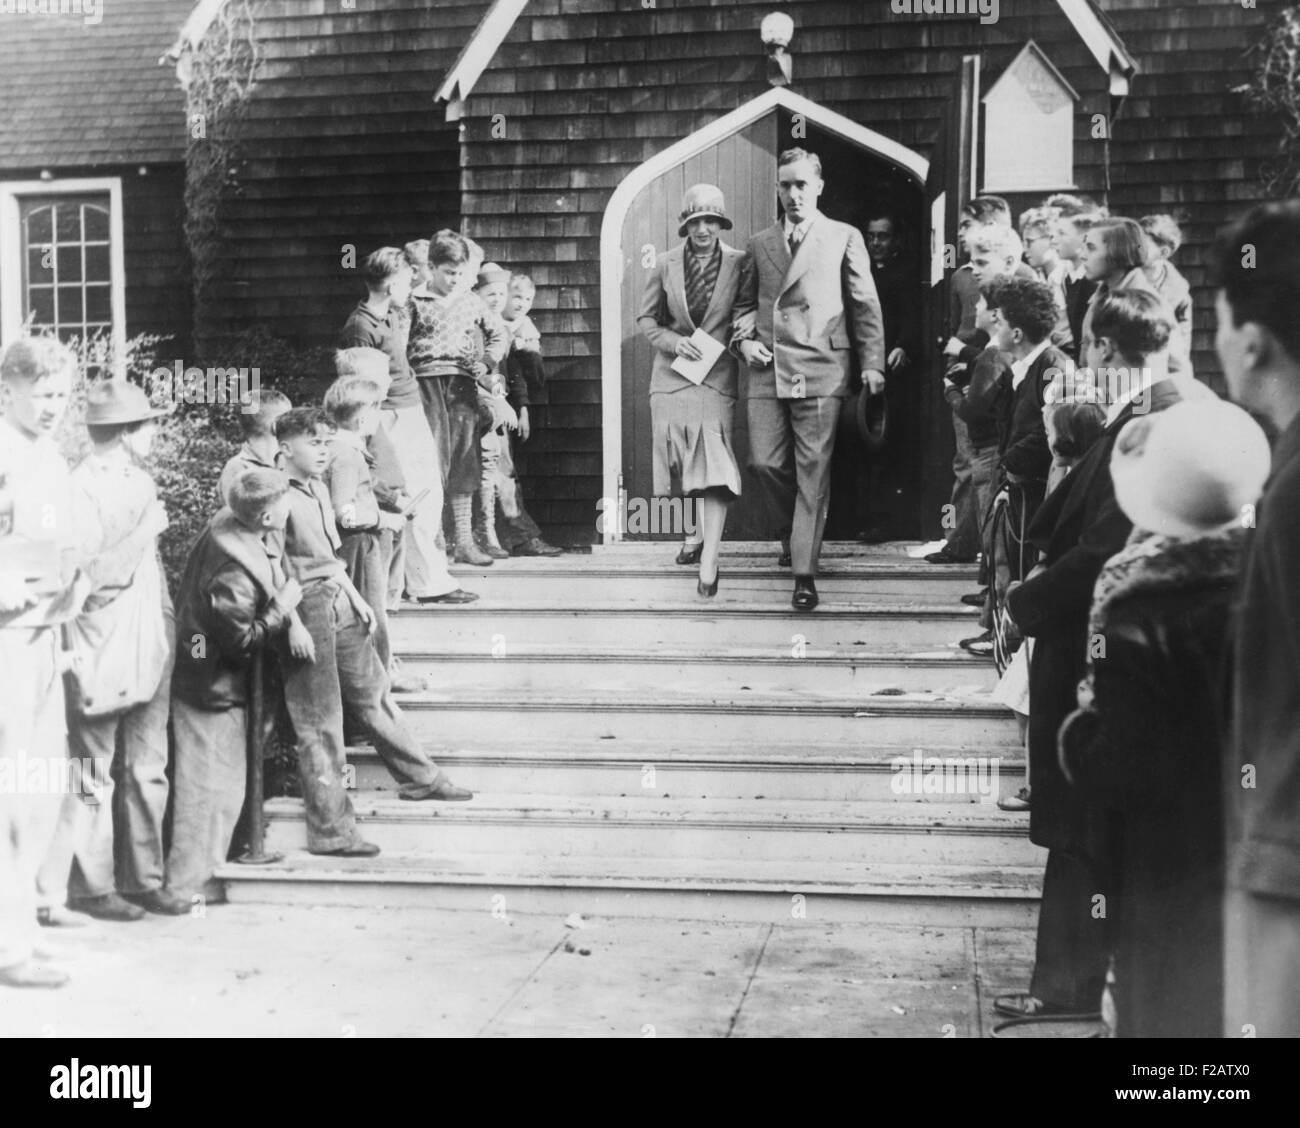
[[864, 171]]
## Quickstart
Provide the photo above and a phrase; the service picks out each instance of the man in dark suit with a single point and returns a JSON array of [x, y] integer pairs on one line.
[[1078, 528], [808, 280], [1258, 343]]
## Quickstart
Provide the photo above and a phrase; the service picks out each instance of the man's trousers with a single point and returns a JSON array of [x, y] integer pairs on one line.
[[123, 761], [33, 751], [791, 442], [417, 452]]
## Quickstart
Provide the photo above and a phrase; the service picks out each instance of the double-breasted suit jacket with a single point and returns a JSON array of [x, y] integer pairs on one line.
[[665, 319], [814, 311]]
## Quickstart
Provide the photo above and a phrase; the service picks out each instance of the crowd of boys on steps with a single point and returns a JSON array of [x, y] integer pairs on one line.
[[330, 516]]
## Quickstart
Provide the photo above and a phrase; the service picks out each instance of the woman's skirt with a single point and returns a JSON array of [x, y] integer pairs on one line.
[[692, 441]]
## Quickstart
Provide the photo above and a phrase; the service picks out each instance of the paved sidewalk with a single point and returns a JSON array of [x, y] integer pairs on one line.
[[260, 970]]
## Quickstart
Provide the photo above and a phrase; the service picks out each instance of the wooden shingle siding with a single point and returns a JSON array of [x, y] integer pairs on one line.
[[590, 88], [340, 145]]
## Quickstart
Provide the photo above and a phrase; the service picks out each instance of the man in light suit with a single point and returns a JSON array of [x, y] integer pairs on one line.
[[808, 280]]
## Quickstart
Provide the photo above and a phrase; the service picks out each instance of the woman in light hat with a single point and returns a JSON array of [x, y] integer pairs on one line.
[[1146, 740], [694, 287]]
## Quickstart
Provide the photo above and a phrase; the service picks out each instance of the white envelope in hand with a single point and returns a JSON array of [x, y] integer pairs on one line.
[[695, 370]]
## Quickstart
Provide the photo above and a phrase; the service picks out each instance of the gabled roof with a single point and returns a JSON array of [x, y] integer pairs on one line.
[[1091, 24], [79, 94], [1030, 48], [477, 54]]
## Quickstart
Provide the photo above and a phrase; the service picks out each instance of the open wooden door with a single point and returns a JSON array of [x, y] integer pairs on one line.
[[951, 182], [743, 165]]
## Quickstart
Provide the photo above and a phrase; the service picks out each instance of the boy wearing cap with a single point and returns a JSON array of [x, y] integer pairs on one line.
[[233, 601], [40, 588], [127, 621]]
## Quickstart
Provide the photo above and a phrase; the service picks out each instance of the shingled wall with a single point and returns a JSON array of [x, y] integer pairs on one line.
[[591, 88]]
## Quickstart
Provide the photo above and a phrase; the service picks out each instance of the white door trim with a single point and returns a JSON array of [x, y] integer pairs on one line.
[[613, 260], [11, 265]]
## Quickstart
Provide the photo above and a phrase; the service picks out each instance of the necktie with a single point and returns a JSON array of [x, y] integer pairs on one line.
[[794, 240]]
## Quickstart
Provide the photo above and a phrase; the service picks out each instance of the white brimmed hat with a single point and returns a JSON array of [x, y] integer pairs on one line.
[[1190, 470]]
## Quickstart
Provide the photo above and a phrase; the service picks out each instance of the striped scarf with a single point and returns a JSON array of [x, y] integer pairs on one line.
[[700, 280]]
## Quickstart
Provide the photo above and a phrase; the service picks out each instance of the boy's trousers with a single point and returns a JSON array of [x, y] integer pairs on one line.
[[123, 760], [514, 525], [33, 753], [451, 406], [417, 452], [209, 780], [347, 674], [363, 556]]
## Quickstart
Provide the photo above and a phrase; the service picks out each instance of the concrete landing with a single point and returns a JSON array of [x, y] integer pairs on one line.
[[298, 970]]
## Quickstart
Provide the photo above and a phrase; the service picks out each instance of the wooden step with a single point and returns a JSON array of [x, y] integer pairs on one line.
[[774, 625], [611, 885], [561, 669], [685, 829], [612, 711], [690, 769], [658, 577]]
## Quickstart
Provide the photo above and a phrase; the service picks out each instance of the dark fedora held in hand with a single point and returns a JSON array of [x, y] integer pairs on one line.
[[871, 413], [703, 200]]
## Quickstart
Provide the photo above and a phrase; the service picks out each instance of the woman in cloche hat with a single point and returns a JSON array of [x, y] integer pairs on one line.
[[692, 289]]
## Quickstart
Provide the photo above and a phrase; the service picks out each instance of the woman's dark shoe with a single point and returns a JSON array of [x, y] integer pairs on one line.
[[690, 554], [708, 591], [805, 594]]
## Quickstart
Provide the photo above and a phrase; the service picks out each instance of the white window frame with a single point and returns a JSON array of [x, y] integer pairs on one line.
[[993, 184], [11, 243]]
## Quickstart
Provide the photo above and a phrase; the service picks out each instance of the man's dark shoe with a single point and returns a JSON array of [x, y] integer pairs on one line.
[[160, 901], [783, 561], [975, 598], [536, 547], [805, 594], [1017, 802], [108, 907], [29, 973], [460, 595], [980, 645], [1023, 1005], [943, 556], [441, 788], [357, 849]]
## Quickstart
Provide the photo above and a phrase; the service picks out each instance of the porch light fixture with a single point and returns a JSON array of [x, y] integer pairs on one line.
[[777, 29]]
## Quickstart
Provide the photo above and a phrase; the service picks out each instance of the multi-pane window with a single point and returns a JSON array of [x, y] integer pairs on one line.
[[67, 263]]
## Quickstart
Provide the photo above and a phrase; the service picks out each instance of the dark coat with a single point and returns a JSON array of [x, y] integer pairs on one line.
[[899, 291], [1150, 751], [1077, 529], [224, 613]]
